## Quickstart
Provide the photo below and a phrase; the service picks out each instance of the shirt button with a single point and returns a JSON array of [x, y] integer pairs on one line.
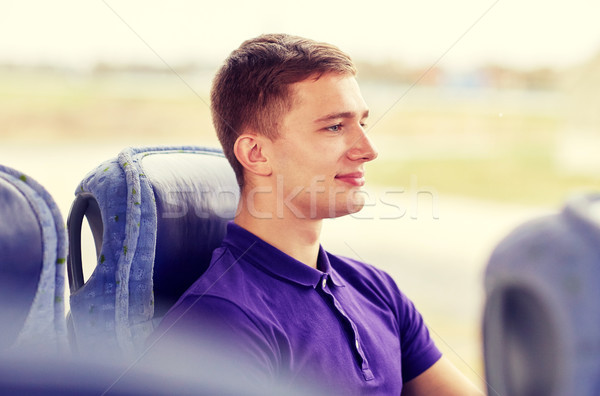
[[324, 282]]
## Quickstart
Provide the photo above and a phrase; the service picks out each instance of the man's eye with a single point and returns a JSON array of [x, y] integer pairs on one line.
[[335, 128]]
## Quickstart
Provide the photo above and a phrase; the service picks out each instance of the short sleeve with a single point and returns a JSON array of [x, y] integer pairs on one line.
[[419, 352]]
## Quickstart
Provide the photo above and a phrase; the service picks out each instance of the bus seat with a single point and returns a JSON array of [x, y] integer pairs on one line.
[[156, 214], [33, 248], [542, 311]]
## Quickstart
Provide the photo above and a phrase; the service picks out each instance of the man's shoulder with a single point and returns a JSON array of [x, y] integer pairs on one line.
[[233, 282], [358, 270], [368, 280], [227, 292]]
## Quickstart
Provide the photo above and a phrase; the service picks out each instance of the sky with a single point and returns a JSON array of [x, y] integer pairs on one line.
[[456, 34]]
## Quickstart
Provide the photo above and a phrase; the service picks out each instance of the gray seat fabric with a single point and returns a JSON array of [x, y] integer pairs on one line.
[[156, 215]]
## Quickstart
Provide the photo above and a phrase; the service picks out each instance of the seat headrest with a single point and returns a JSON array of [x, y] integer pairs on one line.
[[33, 252], [195, 197], [156, 215], [542, 315]]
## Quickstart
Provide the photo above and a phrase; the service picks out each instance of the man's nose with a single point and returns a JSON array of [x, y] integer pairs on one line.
[[363, 148]]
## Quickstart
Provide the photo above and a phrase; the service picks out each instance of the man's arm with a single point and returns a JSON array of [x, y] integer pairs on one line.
[[441, 379]]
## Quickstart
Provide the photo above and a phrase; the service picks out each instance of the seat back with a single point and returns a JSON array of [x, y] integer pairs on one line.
[[156, 215], [32, 265], [542, 311]]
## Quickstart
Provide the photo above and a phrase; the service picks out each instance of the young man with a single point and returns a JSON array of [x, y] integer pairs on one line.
[[291, 119]]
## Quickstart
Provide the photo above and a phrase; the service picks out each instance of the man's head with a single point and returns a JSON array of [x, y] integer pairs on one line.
[[251, 92]]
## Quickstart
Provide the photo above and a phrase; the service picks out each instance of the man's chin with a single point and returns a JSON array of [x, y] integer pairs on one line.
[[346, 209]]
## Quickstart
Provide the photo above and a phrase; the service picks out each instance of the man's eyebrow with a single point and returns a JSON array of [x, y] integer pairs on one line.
[[344, 114]]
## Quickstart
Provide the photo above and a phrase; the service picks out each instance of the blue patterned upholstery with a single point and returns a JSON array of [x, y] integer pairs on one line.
[[156, 215], [33, 252], [542, 310]]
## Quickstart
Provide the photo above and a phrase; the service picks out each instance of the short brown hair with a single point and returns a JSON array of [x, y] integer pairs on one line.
[[251, 90]]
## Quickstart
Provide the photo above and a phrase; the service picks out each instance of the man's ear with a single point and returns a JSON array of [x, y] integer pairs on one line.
[[249, 151]]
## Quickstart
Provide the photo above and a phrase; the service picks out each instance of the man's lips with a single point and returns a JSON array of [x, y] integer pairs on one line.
[[354, 178]]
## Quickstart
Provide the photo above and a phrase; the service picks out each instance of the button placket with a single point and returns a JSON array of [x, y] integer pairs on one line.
[[361, 359], [339, 308], [363, 364]]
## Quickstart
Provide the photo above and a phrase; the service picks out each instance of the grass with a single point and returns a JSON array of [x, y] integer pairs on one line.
[[526, 179], [54, 107], [475, 151]]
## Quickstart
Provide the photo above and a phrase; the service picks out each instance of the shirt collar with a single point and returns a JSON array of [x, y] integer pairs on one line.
[[276, 262]]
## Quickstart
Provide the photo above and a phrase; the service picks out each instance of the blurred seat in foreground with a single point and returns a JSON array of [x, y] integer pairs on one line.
[[32, 266], [542, 313]]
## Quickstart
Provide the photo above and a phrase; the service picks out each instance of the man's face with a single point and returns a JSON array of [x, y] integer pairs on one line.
[[318, 158]]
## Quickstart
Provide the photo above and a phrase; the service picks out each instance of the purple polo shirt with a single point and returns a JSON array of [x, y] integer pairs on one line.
[[344, 326]]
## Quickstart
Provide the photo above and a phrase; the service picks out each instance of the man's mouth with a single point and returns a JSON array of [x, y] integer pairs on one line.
[[355, 178]]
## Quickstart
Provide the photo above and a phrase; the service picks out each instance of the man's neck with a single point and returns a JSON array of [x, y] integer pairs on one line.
[[296, 237]]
